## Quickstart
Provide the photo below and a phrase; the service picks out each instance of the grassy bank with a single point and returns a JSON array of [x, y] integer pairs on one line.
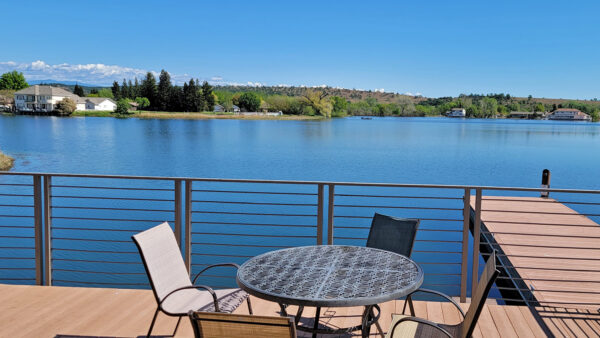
[[194, 116], [6, 162]]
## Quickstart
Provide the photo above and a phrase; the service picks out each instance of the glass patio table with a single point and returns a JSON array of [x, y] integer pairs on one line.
[[330, 276]]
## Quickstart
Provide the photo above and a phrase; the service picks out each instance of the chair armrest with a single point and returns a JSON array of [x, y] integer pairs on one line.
[[421, 321], [214, 266], [207, 288], [441, 295]]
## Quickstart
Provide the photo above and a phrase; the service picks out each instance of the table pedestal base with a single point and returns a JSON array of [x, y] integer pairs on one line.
[[368, 318]]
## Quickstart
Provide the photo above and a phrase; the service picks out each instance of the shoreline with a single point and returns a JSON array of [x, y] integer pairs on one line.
[[193, 116]]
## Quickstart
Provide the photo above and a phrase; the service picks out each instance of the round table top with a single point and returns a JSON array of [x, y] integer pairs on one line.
[[330, 275]]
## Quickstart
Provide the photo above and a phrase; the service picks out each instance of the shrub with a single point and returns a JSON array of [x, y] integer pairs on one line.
[[66, 107], [122, 107]]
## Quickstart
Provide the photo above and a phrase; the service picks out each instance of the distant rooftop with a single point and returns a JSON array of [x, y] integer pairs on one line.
[[45, 90]]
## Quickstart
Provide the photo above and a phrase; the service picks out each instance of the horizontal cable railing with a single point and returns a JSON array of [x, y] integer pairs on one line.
[[72, 229]]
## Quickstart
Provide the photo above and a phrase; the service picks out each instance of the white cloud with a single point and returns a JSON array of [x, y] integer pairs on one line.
[[379, 90]]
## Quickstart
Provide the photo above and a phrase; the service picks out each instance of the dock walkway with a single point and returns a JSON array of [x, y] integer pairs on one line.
[[550, 251]]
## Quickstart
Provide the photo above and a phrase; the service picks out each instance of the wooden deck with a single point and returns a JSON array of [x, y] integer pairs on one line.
[[42, 311], [558, 270]]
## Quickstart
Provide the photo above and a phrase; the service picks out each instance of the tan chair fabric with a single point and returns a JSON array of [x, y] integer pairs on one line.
[[413, 329], [163, 260], [218, 325]]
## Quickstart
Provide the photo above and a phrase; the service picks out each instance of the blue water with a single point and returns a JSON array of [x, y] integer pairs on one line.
[[394, 150], [400, 150]]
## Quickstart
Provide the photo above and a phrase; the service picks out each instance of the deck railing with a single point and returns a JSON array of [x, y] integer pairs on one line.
[[69, 229]]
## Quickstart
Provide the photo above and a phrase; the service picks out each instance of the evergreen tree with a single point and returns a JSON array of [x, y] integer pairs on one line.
[[164, 91], [125, 90], [131, 90], [116, 90], [149, 90], [176, 99], [208, 97], [78, 90], [136, 88]]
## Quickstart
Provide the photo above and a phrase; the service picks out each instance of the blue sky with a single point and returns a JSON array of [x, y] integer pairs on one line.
[[437, 48]]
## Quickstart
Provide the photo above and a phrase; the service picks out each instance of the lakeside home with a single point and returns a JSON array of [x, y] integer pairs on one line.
[[45, 98], [457, 112], [569, 114], [277, 113]]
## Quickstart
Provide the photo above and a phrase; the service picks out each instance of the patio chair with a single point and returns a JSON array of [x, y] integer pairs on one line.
[[393, 234], [218, 325], [175, 294], [405, 326]]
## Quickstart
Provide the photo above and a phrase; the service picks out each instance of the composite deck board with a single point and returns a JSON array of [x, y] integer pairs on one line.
[[39, 311], [553, 248]]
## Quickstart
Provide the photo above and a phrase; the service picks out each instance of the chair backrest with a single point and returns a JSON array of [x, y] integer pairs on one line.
[[217, 325], [162, 259], [393, 234], [487, 279]]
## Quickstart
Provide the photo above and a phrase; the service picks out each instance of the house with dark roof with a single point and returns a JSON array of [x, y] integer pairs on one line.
[[569, 114], [40, 98]]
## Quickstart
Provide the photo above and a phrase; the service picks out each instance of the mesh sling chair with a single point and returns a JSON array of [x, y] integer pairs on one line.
[[405, 326], [217, 325], [175, 294], [393, 234]]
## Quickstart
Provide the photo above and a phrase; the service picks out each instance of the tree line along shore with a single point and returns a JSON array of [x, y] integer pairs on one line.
[[159, 98]]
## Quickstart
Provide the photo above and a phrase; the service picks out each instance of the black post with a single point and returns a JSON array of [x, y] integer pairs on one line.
[[545, 182]]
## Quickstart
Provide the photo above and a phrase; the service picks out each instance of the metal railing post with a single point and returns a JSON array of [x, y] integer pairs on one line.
[[320, 215], [476, 238], [38, 226], [177, 210], [330, 207], [464, 270], [47, 230], [188, 225]]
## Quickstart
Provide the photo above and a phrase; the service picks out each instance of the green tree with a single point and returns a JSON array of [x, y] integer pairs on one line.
[[489, 107], [208, 96], [66, 107], [339, 105], [105, 92], [13, 80], [163, 91], [116, 90], [125, 90], [149, 89], [539, 107], [78, 90], [249, 101], [317, 100], [406, 106], [142, 102], [122, 107]]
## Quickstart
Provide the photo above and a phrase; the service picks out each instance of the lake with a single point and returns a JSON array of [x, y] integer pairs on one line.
[[87, 231], [399, 150]]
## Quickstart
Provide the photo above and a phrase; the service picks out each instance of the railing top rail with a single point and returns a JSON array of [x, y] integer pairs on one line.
[[299, 182]]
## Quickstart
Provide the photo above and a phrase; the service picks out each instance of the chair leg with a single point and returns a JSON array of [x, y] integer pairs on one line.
[[408, 301], [176, 326], [153, 321], [249, 305]]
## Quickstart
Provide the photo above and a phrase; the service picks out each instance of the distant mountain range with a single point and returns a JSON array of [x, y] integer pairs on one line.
[[67, 83]]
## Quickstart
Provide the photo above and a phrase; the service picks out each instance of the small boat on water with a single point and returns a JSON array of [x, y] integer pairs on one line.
[[366, 118]]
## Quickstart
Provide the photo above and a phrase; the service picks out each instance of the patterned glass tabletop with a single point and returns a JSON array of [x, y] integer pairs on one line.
[[330, 275]]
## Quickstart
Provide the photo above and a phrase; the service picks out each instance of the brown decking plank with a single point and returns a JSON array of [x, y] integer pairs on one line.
[[519, 323], [487, 325], [531, 218], [532, 322], [451, 314], [503, 324], [434, 312]]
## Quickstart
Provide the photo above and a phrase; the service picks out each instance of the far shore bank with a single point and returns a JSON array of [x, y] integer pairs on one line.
[[193, 116]]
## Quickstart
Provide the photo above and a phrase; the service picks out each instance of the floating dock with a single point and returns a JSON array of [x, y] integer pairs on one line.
[[549, 252]]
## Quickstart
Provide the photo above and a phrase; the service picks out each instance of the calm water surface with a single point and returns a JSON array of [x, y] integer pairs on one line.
[[400, 150]]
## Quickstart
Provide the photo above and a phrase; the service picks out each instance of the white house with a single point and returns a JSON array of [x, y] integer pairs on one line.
[[44, 99], [457, 112], [569, 115], [95, 103]]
